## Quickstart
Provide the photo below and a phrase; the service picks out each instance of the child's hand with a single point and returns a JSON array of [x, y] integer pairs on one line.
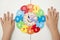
[[52, 23], [8, 25], [52, 18]]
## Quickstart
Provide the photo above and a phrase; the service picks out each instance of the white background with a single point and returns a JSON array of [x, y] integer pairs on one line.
[[14, 5]]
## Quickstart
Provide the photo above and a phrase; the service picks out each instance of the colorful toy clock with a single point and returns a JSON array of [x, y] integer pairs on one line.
[[30, 19]]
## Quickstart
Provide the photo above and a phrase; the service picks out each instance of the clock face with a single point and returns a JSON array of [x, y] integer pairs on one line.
[[30, 19]]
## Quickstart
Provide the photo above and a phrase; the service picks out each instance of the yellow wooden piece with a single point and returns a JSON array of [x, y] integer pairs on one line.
[[35, 9], [24, 28]]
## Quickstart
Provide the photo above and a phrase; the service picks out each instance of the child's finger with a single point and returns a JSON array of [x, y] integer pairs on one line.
[[1, 20], [46, 17], [7, 16], [13, 23], [4, 17], [12, 16], [49, 12], [51, 8], [52, 11], [57, 16], [10, 20]]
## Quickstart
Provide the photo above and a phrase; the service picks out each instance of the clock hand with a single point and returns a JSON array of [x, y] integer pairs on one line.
[[28, 21]]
